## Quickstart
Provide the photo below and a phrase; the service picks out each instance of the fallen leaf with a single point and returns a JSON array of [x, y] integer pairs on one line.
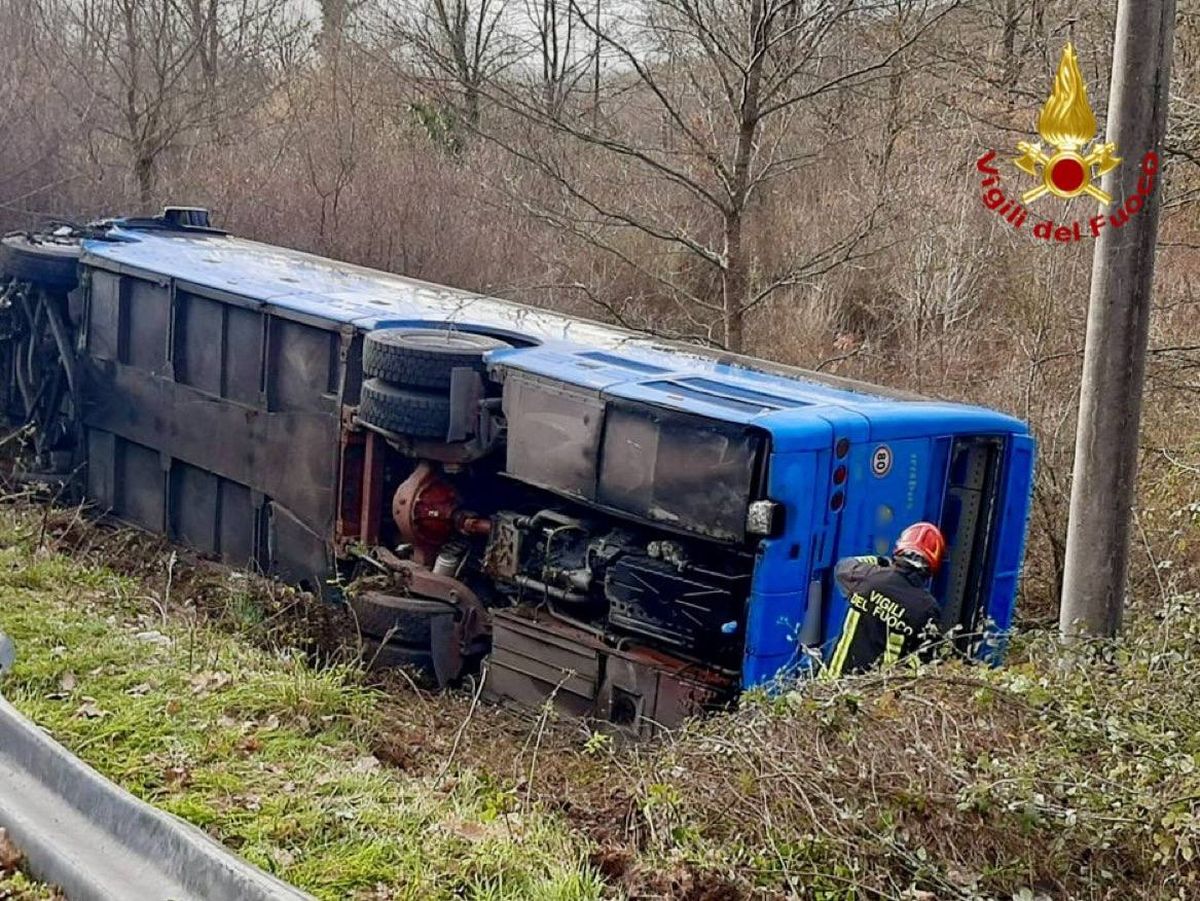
[[203, 683], [138, 690], [249, 744], [365, 765], [90, 709], [471, 831], [68, 681]]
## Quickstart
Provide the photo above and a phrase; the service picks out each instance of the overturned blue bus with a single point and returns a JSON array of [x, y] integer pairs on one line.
[[636, 529]]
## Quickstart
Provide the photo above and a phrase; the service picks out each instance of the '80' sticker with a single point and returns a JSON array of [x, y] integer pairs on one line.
[[881, 461]]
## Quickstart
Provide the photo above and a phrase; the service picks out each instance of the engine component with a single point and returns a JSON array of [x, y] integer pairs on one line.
[[534, 659], [450, 559], [669, 551], [538, 658], [423, 357], [645, 690], [545, 553], [616, 580], [426, 511], [502, 560], [688, 609], [423, 508]]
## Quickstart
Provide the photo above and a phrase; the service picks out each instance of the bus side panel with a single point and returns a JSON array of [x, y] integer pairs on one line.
[[885, 497], [1012, 531], [780, 592], [213, 423]]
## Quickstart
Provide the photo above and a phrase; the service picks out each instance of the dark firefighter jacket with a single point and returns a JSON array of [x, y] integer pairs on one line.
[[891, 614]]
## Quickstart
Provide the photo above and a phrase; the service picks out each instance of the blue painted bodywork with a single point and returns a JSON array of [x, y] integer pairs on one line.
[[804, 414]]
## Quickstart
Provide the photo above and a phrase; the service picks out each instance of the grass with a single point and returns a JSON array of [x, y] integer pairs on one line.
[[1069, 773], [268, 754], [15, 883], [16, 886]]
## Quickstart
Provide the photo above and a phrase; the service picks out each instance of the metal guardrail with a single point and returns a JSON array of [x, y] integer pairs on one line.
[[97, 842]]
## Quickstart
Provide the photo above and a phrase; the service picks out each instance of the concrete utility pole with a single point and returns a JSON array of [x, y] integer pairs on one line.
[[1114, 360]]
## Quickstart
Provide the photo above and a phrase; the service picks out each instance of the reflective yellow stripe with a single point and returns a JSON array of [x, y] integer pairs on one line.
[[894, 646], [843, 645]]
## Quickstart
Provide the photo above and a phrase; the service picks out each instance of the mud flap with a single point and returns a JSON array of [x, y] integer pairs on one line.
[[446, 641]]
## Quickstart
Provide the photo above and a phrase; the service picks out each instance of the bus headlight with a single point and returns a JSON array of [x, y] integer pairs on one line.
[[762, 517]]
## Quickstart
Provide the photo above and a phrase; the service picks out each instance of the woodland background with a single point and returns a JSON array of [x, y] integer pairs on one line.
[[791, 178]]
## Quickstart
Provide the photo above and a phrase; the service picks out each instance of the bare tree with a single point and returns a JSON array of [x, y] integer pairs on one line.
[[147, 75], [1023, 24], [330, 144], [336, 19], [704, 109], [462, 41], [27, 146], [564, 49]]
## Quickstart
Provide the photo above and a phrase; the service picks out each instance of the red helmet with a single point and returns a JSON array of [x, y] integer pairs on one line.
[[925, 540]]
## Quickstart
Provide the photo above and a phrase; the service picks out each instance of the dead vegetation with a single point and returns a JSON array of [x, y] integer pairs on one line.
[[841, 230], [1058, 776], [15, 884], [488, 145]]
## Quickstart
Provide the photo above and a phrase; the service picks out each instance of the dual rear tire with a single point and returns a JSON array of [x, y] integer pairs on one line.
[[408, 372], [406, 391]]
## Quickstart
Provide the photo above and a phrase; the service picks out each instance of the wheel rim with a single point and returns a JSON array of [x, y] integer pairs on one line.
[[440, 339]]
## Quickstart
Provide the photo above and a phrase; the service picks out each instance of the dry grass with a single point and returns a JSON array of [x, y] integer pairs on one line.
[[1063, 774]]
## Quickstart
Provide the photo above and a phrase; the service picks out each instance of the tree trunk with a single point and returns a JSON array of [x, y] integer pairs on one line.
[[1012, 19], [143, 172], [734, 283], [333, 25], [736, 277], [471, 103]]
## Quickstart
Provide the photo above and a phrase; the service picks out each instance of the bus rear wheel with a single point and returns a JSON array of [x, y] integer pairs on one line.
[[422, 414], [423, 357]]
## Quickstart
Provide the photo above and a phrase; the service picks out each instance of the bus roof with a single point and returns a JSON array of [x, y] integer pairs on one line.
[[621, 363]]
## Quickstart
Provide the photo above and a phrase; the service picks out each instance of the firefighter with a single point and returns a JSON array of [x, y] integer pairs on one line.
[[891, 613]]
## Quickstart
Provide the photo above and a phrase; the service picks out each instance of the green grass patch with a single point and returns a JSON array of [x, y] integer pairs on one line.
[[1069, 773], [16, 886], [268, 754]]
